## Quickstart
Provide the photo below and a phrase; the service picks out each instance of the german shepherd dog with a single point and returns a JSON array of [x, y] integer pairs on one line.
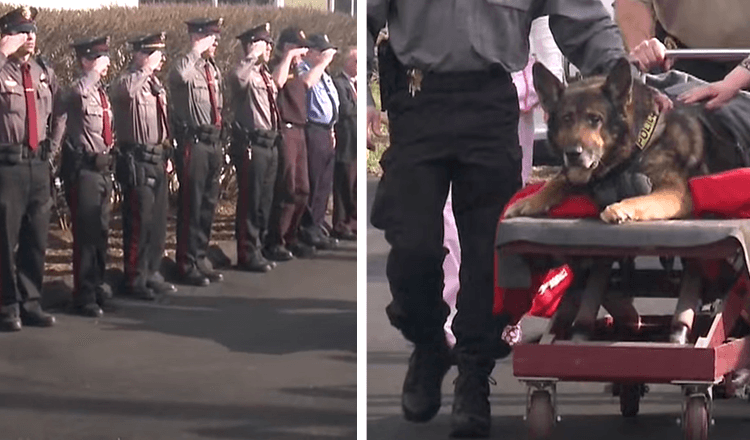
[[615, 147]]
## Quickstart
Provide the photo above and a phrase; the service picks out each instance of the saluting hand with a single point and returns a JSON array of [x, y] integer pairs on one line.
[[204, 43], [257, 49], [154, 61], [327, 55], [101, 65], [9, 44]]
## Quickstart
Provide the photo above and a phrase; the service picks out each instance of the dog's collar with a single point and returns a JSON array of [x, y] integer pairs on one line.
[[652, 129]]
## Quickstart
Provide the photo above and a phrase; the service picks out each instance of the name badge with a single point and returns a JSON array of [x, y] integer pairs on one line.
[[10, 83]]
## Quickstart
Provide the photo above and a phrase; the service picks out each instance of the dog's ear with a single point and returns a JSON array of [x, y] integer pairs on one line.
[[619, 83], [547, 86]]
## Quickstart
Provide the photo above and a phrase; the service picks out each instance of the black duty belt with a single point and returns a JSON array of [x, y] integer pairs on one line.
[[12, 154], [145, 153], [204, 133], [99, 162]]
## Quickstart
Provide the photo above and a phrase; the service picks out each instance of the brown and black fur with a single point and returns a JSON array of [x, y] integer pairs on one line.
[[594, 123]]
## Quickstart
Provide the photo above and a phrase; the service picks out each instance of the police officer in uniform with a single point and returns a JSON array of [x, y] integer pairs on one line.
[[86, 168], [28, 87], [322, 115], [196, 91], [292, 182], [139, 102], [255, 140], [453, 111], [345, 167]]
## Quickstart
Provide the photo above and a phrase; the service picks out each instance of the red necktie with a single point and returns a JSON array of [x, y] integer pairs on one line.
[[161, 112], [215, 115], [276, 117], [107, 132], [31, 118]]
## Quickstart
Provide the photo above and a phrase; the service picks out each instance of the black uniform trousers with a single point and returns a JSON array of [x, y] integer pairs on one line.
[[256, 177], [460, 129], [89, 199], [320, 160], [144, 219], [345, 197], [292, 187], [199, 165], [25, 205]]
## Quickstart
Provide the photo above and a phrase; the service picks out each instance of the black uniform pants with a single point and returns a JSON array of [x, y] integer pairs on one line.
[[25, 204], [292, 187], [345, 197], [320, 160], [144, 219], [89, 199], [256, 177], [460, 129], [199, 165]]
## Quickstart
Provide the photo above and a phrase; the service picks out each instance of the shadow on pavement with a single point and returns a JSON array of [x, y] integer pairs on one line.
[[288, 325], [258, 422]]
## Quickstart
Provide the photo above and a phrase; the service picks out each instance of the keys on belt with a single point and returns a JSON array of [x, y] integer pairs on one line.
[[415, 81]]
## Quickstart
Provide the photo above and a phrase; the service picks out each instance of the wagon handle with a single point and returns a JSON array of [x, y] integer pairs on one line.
[[708, 54]]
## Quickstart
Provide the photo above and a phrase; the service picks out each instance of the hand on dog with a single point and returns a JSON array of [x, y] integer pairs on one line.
[[717, 94]]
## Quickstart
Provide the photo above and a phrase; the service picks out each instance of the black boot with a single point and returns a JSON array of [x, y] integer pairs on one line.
[[10, 318], [33, 315], [471, 402], [420, 399]]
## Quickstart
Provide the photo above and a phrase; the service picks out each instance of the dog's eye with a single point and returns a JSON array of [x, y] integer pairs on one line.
[[594, 120], [567, 118]]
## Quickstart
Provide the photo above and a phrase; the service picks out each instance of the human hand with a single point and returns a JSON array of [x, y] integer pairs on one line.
[[101, 65], [257, 49], [154, 61], [651, 53], [204, 43], [663, 103], [298, 51], [374, 127], [717, 93], [9, 44]]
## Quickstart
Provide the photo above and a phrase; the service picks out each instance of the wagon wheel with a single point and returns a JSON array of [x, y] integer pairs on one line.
[[541, 417], [630, 399], [696, 418]]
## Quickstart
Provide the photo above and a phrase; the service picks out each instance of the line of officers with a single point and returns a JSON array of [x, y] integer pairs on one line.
[[282, 146]]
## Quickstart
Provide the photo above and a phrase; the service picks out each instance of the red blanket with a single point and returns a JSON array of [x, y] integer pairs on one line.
[[724, 195]]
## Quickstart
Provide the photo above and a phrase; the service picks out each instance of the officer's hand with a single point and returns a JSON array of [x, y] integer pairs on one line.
[[299, 51], [170, 166], [374, 127], [9, 44], [257, 49], [327, 55], [101, 65], [650, 54], [154, 61], [204, 43]]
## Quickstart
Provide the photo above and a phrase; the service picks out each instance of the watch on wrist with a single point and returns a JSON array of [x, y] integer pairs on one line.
[[746, 63]]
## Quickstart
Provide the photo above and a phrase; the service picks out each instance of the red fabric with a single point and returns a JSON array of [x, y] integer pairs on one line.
[[31, 117], [215, 115], [724, 194], [107, 133]]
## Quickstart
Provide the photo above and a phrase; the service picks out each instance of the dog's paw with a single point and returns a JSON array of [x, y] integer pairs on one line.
[[618, 213], [526, 207]]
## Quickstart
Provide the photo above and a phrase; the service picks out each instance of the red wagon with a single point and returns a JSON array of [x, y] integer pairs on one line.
[[633, 351]]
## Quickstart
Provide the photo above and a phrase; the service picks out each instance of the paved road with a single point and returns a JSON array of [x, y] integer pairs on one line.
[[588, 413], [258, 357]]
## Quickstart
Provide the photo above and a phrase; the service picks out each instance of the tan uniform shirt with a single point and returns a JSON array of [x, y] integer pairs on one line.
[[191, 103], [13, 100], [134, 101], [705, 23], [85, 114], [250, 95]]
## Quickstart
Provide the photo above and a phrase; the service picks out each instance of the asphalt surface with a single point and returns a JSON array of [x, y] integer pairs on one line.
[[260, 356], [588, 412]]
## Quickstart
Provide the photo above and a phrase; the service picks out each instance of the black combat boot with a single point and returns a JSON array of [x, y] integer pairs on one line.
[[421, 393], [471, 402]]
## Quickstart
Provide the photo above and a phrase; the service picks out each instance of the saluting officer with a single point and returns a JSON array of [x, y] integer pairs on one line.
[[292, 182], [195, 84], [255, 136], [322, 114], [28, 87], [139, 102], [87, 169]]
